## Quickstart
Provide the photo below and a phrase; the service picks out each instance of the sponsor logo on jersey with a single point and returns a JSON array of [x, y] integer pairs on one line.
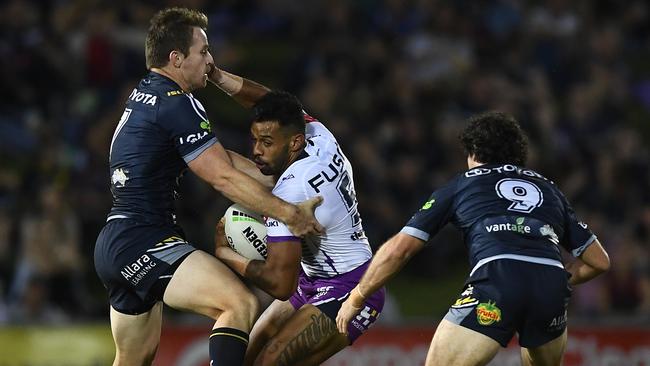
[[290, 176], [141, 97], [583, 225], [488, 313], [135, 272], [360, 234], [427, 205], [119, 177], [193, 137], [518, 227], [205, 124], [256, 241], [175, 93], [549, 233], [269, 222], [477, 172], [336, 167]]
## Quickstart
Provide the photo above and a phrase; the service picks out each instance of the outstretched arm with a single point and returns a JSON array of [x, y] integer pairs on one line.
[[388, 260], [243, 91]]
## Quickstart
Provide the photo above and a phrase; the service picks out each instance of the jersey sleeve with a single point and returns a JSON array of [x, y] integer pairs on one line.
[[292, 192], [434, 214], [577, 235], [186, 122]]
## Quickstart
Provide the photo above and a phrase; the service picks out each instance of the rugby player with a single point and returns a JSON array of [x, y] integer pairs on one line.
[[514, 222], [141, 255], [309, 277]]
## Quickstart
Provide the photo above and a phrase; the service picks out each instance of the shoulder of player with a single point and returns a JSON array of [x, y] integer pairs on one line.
[[182, 105], [297, 175]]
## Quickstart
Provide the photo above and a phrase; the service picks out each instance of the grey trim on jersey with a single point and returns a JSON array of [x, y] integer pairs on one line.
[[456, 315], [173, 253], [113, 217], [194, 154], [578, 251], [416, 233], [523, 258]]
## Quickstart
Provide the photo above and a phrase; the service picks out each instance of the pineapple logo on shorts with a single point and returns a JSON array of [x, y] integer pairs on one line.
[[488, 313]]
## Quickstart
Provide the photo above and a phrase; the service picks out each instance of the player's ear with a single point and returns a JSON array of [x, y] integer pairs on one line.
[[176, 58], [297, 142]]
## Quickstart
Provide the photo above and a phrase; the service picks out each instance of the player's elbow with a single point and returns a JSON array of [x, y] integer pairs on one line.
[[602, 264]]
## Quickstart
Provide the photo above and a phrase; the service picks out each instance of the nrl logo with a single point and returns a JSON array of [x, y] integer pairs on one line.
[[488, 313]]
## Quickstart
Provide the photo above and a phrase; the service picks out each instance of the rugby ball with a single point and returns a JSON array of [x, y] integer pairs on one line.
[[246, 232]]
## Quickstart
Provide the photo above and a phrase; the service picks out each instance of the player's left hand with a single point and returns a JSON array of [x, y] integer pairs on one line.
[[349, 309]]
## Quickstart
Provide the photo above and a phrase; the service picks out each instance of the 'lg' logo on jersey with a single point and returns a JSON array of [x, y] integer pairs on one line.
[[193, 137]]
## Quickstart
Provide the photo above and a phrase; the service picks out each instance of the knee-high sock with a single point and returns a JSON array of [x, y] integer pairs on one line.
[[227, 347]]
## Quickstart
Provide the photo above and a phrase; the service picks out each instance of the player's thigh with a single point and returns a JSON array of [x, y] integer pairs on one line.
[[268, 325], [205, 285], [307, 338], [549, 354], [455, 345], [136, 336]]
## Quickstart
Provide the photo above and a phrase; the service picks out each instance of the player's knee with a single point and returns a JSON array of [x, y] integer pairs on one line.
[[243, 305], [142, 356]]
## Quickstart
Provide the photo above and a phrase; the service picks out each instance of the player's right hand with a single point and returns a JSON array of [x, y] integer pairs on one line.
[[304, 222]]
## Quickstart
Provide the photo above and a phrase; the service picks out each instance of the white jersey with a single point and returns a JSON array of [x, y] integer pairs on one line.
[[323, 170]]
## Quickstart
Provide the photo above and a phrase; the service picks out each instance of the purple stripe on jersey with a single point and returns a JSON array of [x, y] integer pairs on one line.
[[277, 239]]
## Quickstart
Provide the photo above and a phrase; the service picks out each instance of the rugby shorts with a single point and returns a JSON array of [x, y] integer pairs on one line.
[[135, 262], [507, 296], [327, 294]]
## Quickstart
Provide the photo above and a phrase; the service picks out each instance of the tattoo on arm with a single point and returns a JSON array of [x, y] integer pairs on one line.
[[319, 330]]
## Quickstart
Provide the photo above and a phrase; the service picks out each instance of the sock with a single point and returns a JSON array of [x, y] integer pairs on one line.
[[227, 347]]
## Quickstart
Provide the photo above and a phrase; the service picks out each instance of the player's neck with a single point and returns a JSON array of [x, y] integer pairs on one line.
[[172, 74], [293, 156]]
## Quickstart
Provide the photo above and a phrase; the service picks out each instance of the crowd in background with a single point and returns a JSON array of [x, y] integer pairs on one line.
[[394, 80]]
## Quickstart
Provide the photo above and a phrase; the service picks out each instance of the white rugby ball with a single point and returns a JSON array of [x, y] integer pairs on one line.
[[246, 232]]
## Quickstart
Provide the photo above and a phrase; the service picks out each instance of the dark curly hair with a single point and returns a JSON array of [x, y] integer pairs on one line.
[[495, 138], [171, 29], [283, 107]]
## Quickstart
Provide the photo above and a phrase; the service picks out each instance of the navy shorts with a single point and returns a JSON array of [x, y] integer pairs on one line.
[[327, 294], [507, 296], [135, 261]]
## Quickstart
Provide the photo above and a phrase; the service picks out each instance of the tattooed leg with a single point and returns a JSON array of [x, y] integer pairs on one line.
[[309, 336]]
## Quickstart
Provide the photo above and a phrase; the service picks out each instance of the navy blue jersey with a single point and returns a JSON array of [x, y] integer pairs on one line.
[[161, 130], [504, 211]]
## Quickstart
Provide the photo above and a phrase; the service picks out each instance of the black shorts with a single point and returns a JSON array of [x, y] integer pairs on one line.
[[136, 261], [507, 296]]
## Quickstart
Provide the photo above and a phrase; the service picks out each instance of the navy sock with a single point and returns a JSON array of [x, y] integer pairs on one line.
[[227, 347]]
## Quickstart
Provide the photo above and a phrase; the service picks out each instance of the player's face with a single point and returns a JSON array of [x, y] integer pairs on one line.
[[195, 65], [271, 147]]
